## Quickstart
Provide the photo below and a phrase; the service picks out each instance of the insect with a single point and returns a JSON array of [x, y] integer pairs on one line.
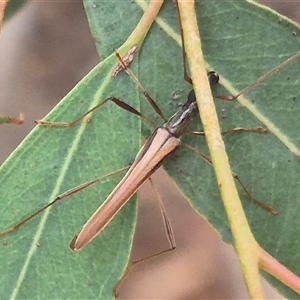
[[96, 120], [163, 142]]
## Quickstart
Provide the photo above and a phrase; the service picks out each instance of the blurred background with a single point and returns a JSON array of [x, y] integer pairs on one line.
[[41, 60]]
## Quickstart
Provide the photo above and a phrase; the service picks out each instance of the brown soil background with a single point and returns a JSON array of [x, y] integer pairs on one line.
[[41, 39]]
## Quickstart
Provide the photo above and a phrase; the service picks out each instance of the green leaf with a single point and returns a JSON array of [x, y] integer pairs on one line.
[[51, 161], [242, 42], [13, 6]]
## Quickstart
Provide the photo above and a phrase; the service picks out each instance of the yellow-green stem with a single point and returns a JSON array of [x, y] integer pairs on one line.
[[247, 248], [139, 33]]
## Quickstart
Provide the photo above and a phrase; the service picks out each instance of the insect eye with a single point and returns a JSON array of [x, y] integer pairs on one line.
[[213, 77], [191, 97]]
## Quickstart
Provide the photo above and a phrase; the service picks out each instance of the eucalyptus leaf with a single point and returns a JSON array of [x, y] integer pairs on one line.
[[13, 6], [241, 41]]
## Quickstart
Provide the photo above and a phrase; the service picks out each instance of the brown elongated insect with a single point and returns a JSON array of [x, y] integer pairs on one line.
[[158, 147], [163, 142], [111, 207]]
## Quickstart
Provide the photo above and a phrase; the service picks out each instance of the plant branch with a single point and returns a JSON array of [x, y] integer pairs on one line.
[[271, 265], [139, 33], [247, 248]]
